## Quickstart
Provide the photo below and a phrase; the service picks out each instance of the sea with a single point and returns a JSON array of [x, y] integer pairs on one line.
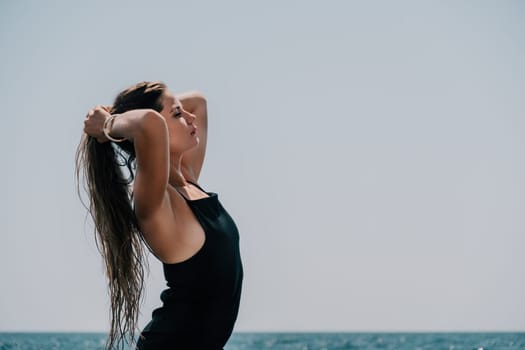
[[290, 341]]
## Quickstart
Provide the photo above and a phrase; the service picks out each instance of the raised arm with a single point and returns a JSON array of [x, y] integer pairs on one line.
[[193, 159], [148, 132]]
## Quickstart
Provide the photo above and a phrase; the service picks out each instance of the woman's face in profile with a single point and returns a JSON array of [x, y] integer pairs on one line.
[[181, 127]]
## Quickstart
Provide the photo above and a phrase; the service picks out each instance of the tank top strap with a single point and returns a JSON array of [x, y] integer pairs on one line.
[[194, 184], [194, 200]]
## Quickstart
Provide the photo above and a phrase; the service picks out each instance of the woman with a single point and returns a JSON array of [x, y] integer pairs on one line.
[[160, 138]]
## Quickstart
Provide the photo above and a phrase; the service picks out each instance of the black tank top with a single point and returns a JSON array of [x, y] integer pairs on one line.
[[201, 304]]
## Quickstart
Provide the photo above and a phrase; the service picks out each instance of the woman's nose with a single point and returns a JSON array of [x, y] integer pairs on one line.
[[190, 117]]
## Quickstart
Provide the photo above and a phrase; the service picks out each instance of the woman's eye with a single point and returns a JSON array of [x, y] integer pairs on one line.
[[178, 113]]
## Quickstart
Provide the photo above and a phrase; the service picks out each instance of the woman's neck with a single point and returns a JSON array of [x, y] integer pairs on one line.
[[176, 178]]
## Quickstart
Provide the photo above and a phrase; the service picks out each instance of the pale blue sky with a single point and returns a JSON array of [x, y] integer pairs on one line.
[[371, 153]]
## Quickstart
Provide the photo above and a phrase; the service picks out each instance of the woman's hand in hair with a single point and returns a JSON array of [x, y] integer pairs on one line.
[[94, 123]]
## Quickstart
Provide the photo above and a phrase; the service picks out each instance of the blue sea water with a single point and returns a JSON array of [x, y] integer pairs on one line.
[[291, 341]]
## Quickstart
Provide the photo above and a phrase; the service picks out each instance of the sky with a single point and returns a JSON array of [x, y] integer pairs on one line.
[[372, 154]]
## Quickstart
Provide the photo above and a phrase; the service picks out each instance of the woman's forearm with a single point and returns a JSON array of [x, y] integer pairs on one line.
[[132, 123], [192, 101]]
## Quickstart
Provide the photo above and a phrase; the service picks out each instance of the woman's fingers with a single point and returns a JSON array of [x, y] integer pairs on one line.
[[94, 123]]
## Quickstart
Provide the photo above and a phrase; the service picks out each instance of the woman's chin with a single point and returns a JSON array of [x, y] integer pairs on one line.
[[195, 143]]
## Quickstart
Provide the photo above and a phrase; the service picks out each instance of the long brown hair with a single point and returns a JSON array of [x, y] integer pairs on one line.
[[108, 170]]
